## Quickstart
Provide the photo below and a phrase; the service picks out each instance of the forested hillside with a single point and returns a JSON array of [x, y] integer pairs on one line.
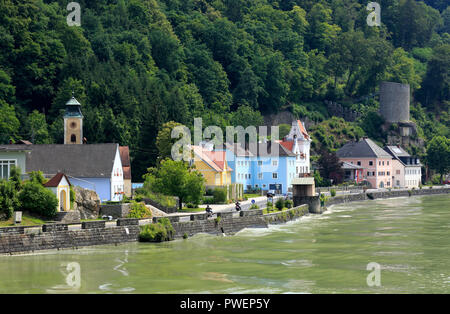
[[139, 63]]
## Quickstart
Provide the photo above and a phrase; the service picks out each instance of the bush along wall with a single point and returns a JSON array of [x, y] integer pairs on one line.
[[157, 232]]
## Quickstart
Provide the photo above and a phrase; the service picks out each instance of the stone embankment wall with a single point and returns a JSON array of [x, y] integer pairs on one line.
[[60, 236], [115, 210], [387, 194], [287, 215], [57, 236]]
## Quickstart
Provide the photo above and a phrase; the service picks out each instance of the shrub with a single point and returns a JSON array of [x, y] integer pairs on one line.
[[185, 235], [157, 232], [8, 199], [254, 206], [333, 192], [288, 203], [279, 204], [139, 210], [269, 204], [37, 199], [72, 196], [37, 177], [220, 195]]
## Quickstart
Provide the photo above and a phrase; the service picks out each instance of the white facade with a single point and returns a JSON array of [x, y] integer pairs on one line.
[[301, 148], [117, 183], [413, 176]]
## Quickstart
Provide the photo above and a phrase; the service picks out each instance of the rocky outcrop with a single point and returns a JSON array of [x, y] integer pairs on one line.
[[87, 203]]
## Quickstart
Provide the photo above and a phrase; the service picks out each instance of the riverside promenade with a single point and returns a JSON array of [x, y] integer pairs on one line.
[[71, 236]]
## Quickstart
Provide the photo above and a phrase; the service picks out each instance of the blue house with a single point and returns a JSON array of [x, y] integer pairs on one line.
[[265, 166], [269, 165]]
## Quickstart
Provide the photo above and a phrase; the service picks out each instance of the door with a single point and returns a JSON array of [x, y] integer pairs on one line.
[[62, 201]]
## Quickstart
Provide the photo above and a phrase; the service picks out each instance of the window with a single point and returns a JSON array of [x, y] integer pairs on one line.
[[260, 176], [371, 163], [388, 173], [274, 163], [259, 162], [245, 176], [397, 172], [296, 170], [5, 168], [264, 185], [383, 163], [379, 163], [249, 175], [73, 138], [387, 164], [274, 175], [358, 163]]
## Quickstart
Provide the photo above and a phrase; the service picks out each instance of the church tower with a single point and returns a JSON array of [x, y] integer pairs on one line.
[[73, 122]]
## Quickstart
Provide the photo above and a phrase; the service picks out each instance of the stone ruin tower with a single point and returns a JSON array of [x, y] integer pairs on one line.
[[394, 102]]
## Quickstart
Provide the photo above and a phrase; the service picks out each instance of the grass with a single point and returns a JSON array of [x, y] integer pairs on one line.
[[275, 210], [191, 210], [27, 220], [252, 195]]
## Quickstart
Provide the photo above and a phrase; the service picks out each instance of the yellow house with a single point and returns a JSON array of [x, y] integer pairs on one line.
[[213, 166]]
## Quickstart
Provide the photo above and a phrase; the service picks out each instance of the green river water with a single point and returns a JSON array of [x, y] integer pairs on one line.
[[408, 237]]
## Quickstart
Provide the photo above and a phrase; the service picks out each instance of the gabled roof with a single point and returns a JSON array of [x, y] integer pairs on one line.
[[362, 149], [54, 182], [81, 160], [289, 145], [216, 160], [302, 129], [126, 165]]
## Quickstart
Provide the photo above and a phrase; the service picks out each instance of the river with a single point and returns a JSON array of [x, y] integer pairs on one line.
[[409, 238]]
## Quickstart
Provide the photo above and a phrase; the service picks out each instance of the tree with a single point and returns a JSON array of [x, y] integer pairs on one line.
[[176, 178], [38, 130], [9, 124], [164, 140], [330, 166], [245, 116], [436, 85], [438, 155]]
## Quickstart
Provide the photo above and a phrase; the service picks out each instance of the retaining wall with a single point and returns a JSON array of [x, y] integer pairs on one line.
[[57, 236], [225, 224], [287, 215], [387, 194], [15, 243], [115, 210]]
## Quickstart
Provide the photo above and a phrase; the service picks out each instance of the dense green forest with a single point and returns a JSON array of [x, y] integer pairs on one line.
[[137, 64]]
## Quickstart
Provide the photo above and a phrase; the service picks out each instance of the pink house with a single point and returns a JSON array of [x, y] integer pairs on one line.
[[375, 162]]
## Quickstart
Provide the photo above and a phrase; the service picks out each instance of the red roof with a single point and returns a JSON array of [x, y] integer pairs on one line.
[[302, 129], [54, 182], [125, 158], [289, 145], [217, 157]]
